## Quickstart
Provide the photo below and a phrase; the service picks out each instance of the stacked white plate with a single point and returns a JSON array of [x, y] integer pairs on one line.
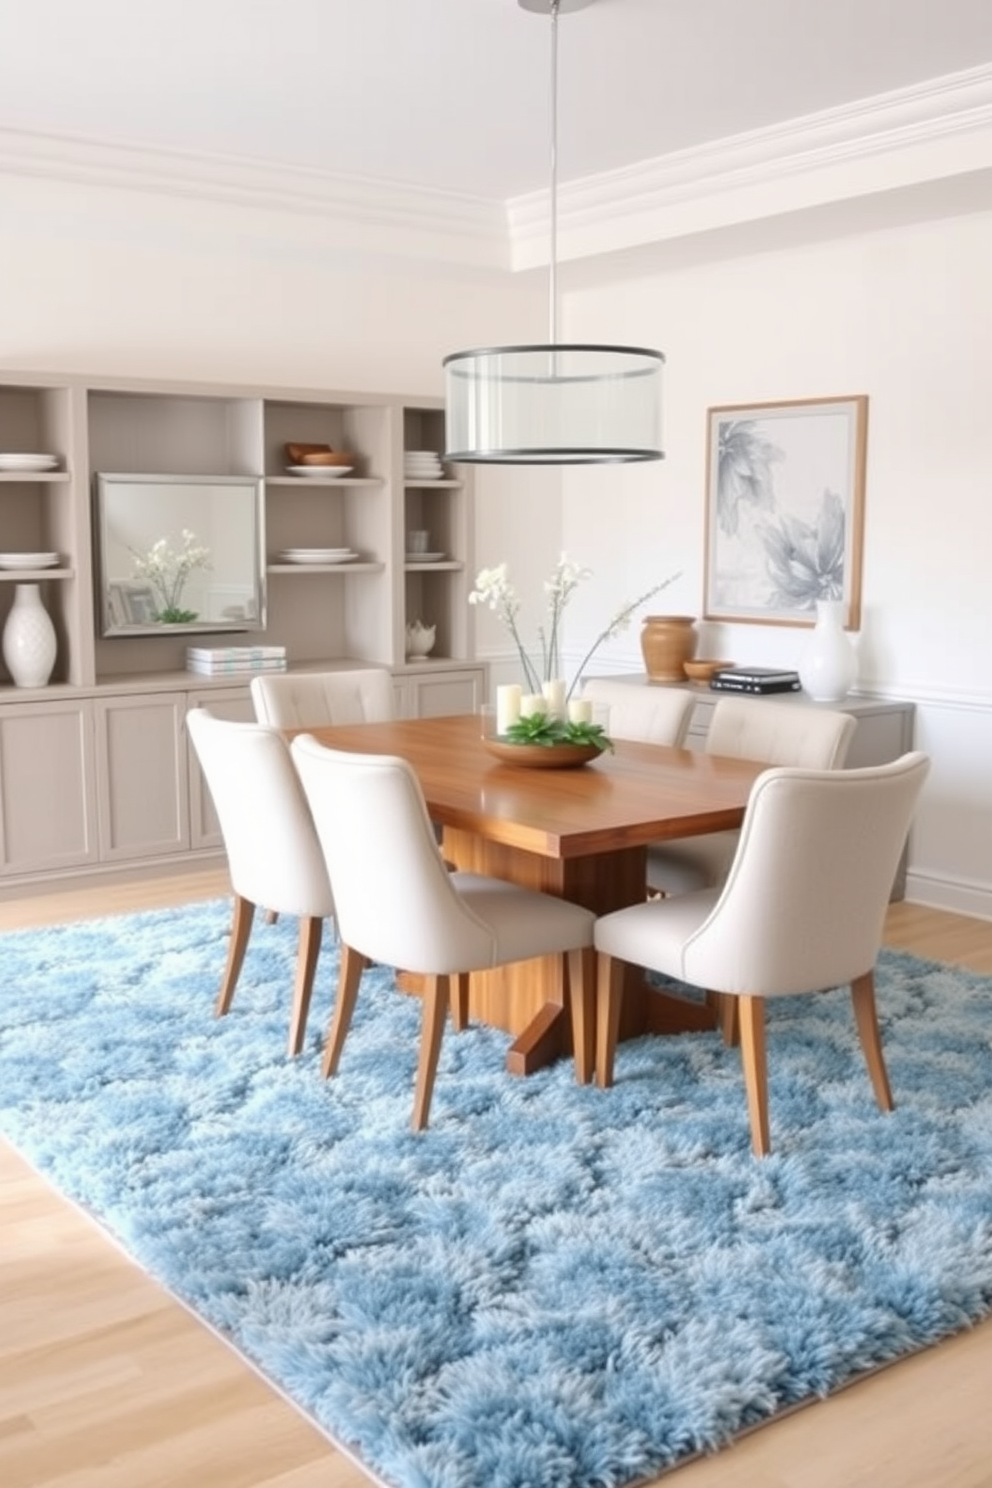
[[422, 465], [28, 462], [424, 557], [317, 555], [29, 560]]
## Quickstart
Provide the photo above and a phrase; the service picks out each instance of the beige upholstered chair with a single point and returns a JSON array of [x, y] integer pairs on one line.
[[656, 715], [756, 729], [311, 699], [273, 855], [397, 904], [802, 910]]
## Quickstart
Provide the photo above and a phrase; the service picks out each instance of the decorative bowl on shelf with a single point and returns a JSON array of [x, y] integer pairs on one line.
[[541, 756], [701, 670]]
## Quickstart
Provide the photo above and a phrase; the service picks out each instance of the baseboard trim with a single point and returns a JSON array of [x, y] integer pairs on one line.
[[957, 896]]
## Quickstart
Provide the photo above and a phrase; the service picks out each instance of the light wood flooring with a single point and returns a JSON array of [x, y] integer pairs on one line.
[[106, 1382]]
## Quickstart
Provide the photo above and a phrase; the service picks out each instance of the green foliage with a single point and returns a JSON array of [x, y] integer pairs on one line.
[[172, 615], [538, 728]]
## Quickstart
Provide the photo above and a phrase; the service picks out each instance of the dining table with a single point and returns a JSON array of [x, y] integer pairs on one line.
[[581, 833]]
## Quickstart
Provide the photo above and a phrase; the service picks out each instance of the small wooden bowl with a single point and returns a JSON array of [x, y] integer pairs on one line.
[[327, 457], [702, 670]]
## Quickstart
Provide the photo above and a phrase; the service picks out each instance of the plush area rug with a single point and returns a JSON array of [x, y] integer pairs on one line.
[[553, 1285]]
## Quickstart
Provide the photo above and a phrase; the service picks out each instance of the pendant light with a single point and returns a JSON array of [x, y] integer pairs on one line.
[[558, 403]]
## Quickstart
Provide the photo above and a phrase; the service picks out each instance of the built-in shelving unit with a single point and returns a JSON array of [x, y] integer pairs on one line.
[[108, 726]]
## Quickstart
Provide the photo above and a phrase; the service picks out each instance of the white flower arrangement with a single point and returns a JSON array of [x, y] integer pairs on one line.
[[167, 571], [493, 589]]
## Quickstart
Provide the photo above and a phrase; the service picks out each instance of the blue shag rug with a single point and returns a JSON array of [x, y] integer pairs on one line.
[[553, 1285]]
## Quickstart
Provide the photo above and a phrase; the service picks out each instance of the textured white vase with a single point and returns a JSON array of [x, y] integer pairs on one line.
[[29, 638], [828, 664]]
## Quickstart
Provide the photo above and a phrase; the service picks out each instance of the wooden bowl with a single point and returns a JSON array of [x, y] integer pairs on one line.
[[701, 670], [542, 756], [327, 457]]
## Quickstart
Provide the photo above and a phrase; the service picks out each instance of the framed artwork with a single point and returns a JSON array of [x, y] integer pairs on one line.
[[785, 488]]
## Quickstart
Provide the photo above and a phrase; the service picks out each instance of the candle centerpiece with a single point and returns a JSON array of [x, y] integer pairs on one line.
[[540, 722]]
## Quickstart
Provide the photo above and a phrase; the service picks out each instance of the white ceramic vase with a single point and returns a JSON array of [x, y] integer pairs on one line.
[[828, 664], [29, 638]]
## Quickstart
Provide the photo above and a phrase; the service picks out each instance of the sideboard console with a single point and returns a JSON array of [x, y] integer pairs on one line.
[[884, 728]]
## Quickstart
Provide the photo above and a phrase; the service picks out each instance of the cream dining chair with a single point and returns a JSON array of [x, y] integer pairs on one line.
[[802, 910], [756, 729], [273, 855], [288, 700], [656, 715], [396, 904]]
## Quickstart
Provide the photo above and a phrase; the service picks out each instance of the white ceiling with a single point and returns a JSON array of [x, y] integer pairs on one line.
[[452, 96]]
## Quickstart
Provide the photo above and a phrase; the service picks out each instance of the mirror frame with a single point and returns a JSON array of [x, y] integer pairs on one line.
[[134, 598]]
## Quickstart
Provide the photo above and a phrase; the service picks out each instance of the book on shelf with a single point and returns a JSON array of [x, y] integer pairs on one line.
[[758, 673], [235, 653], [220, 664], [730, 680]]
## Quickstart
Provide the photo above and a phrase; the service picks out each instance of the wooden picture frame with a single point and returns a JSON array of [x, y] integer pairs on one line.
[[785, 487]]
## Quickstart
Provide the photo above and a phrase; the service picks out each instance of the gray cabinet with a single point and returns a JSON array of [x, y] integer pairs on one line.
[[430, 694], [48, 817], [142, 779]]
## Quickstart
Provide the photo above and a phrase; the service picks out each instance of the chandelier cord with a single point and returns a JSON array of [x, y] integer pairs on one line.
[[553, 194]]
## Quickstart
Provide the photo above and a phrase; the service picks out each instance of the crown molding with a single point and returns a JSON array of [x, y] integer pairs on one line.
[[931, 131], [386, 216], [936, 130]]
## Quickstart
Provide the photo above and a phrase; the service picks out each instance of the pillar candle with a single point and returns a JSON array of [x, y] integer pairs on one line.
[[554, 693], [508, 698], [580, 710], [531, 703]]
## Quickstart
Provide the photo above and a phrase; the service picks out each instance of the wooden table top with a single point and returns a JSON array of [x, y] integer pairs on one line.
[[641, 793]]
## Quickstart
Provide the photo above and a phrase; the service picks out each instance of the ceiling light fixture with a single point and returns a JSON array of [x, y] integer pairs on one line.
[[561, 403]]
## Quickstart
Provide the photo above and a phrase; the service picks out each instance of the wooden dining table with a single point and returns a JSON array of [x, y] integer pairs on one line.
[[579, 833]]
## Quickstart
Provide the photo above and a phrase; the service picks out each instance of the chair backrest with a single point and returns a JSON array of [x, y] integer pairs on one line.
[[273, 855], [780, 733], [312, 699], [656, 715], [804, 903], [394, 898]]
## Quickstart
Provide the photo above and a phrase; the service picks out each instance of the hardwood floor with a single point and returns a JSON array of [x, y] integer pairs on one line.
[[106, 1382]]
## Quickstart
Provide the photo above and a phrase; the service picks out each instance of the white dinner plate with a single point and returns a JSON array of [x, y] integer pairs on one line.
[[309, 552], [317, 557], [28, 462], [328, 472], [424, 557], [29, 560]]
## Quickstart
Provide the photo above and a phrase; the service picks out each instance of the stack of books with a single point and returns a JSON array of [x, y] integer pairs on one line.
[[226, 661], [754, 679]]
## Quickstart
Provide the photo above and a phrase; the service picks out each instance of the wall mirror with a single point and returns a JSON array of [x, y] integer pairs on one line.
[[180, 552]]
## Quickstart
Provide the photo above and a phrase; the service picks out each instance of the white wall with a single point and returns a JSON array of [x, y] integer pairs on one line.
[[904, 316]]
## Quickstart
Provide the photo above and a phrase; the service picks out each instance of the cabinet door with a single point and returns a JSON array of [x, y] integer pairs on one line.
[[47, 787], [204, 826], [438, 694], [142, 779]]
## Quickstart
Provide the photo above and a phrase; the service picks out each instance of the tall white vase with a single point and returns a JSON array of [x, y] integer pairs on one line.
[[828, 664], [29, 638]]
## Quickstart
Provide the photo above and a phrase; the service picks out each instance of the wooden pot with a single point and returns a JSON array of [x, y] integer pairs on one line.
[[666, 642]]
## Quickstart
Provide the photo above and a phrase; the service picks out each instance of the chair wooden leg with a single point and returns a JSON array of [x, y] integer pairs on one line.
[[459, 1002], [435, 1000], [609, 993], [755, 1062], [728, 1017], [241, 923], [350, 969], [866, 1017], [311, 928], [581, 967]]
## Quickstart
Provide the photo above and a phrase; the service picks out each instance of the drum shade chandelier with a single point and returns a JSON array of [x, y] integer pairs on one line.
[[560, 403]]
